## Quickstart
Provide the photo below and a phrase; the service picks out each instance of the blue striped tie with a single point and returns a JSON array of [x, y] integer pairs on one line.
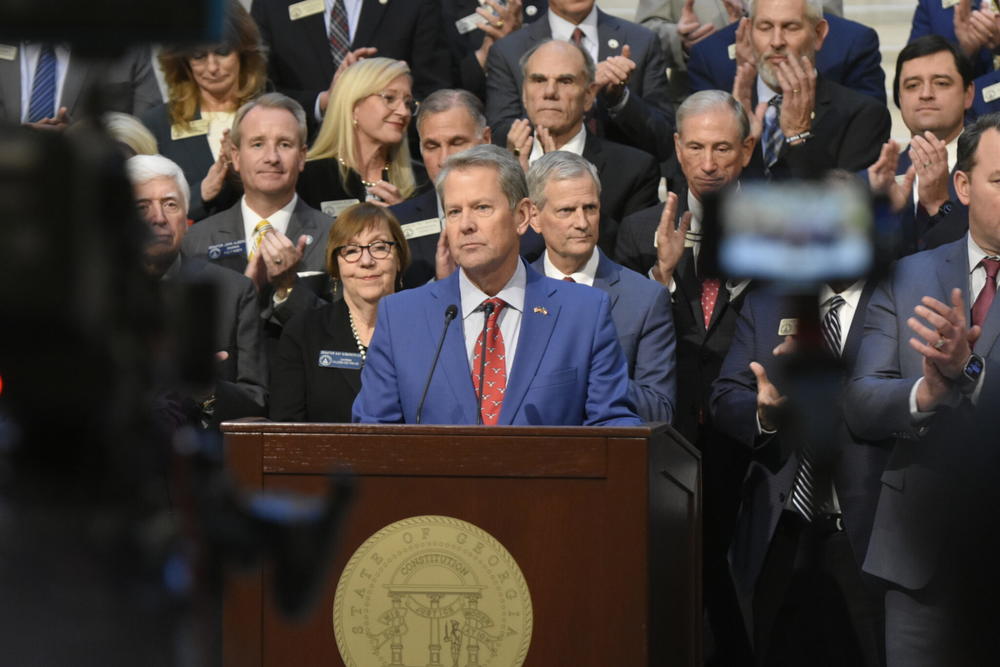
[[772, 138], [43, 89]]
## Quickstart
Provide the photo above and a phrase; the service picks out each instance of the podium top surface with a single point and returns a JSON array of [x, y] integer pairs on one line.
[[265, 426]]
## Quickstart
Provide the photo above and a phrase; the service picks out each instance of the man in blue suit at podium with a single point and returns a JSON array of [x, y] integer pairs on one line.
[[526, 349]]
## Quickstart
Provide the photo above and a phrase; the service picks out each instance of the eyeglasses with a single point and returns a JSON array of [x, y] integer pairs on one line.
[[392, 101], [352, 252]]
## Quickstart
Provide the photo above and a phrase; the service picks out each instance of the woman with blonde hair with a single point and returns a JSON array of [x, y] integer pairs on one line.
[[361, 151], [205, 87]]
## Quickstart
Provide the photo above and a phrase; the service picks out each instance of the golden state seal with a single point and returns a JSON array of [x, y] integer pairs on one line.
[[432, 590]]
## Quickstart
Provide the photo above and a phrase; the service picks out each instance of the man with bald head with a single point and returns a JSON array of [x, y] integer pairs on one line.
[[559, 87]]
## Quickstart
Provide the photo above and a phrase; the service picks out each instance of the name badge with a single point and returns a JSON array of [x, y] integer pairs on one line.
[[991, 93], [420, 228], [788, 327], [300, 10], [226, 249], [334, 208], [196, 128], [338, 359], [732, 51], [945, 4], [8, 52]]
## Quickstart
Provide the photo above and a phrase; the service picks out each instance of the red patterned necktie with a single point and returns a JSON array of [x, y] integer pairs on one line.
[[340, 34], [985, 299], [495, 373], [709, 295]]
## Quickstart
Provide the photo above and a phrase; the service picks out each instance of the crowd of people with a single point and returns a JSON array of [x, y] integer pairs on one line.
[[405, 219]]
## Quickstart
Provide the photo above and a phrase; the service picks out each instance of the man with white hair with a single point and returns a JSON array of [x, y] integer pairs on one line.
[[162, 197]]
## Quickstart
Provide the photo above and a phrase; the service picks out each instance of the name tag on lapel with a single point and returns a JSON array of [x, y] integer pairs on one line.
[[338, 359], [420, 228], [732, 52], [300, 10], [196, 128], [8, 52], [333, 208], [991, 93], [226, 249], [788, 327], [945, 4]]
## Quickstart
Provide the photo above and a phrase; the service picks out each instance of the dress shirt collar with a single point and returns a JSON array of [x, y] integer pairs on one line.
[[563, 29], [697, 211], [764, 91], [512, 293], [574, 145], [586, 274], [279, 219], [173, 270], [851, 296]]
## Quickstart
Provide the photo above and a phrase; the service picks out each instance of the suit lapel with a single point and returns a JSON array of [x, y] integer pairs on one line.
[[608, 30], [454, 361], [607, 277], [10, 86], [231, 229], [537, 323], [77, 75], [857, 330], [371, 15], [592, 151], [311, 30], [338, 325], [689, 286]]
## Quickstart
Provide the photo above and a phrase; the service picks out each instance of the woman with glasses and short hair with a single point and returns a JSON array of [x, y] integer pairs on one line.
[[317, 371], [206, 85], [361, 152]]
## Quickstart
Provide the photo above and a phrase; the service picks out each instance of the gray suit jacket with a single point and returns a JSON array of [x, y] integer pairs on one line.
[[933, 473], [130, 85], [208, 240], [643, 319], [648, 108]]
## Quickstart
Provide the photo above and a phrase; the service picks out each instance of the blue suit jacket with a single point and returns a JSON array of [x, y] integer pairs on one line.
[[980, 106], [930, 18], [568, 370], [850, 56], [643, 319], [930, 481]]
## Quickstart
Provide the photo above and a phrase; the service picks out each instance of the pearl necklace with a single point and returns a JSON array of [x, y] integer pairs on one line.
[[362, 348], [370, 184]]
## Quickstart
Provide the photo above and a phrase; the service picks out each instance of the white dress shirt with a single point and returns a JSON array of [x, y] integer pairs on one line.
[[574, 145], [509, 319], [279, 220], [585, 276], [30, 52], [563, 29]]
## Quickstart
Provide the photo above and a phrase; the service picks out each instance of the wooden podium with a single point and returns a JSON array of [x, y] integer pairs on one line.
[[604, 523]]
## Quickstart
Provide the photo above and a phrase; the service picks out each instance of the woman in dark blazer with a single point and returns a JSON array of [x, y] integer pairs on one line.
[[361, 152], [317, 372], [205, 87]]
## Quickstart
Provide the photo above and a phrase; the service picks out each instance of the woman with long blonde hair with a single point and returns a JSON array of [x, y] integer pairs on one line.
[[361, 151]]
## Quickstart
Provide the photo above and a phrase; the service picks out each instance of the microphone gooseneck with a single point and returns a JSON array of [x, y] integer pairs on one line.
[[450, 313]]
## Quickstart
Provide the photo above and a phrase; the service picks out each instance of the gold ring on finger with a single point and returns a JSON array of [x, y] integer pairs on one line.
[[939, 343], [500, 23], [517, 152], [278, 261], [795, 90]]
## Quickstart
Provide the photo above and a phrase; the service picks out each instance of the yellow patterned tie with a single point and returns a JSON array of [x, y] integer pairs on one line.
[[262, 228]]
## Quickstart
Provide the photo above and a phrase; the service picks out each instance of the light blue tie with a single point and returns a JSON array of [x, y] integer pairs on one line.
[[773, 138], [43, 89]]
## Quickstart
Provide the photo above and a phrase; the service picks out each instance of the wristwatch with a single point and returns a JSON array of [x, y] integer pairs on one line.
[[971, 372]]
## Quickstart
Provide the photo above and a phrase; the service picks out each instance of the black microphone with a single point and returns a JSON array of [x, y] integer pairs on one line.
[[449, 314], [487, 311]]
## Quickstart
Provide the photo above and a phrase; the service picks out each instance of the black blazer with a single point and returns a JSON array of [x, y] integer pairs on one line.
[[194, 157], [320, 182], [629, 181], [848, 130], [301, 389], [299, 60]]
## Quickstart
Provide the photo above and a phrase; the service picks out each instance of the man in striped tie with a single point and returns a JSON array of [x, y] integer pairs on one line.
[[926, 386], [806, 513]]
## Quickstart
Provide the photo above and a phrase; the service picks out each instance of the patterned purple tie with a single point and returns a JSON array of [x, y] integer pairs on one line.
[[340, 34]]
